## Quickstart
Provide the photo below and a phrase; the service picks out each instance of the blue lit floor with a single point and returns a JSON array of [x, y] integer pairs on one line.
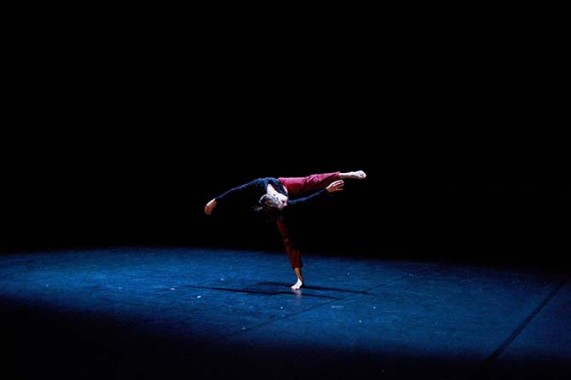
[[143, 313]]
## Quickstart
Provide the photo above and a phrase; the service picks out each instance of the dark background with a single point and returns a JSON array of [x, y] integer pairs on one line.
[[119, 136], [427, 196]]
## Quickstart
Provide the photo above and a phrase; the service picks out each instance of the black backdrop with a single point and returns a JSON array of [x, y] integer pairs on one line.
[[114, 143], [427, 195]]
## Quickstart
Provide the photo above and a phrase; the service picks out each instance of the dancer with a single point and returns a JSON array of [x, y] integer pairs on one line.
[[274, 197]]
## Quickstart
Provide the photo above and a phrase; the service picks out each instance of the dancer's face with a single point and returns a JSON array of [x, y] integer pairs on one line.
[[278, 201]]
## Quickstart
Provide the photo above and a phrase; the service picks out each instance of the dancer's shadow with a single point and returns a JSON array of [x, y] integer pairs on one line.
[[327, 289], [277, 288]]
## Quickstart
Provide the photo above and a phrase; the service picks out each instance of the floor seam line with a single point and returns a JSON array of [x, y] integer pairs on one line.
[[509, 340]]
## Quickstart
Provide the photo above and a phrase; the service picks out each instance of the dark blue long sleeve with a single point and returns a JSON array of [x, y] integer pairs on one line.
[[248, 193], [299, 203]]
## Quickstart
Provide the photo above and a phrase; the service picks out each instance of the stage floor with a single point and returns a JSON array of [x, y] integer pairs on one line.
[[164, 313]]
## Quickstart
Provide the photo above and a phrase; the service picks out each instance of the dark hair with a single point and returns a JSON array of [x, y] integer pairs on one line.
[[268, 205]]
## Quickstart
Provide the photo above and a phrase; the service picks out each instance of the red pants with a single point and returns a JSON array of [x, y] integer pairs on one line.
[[295, 187]]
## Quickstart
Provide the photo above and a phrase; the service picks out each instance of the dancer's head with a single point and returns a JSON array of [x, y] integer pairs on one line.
[[271, 205]]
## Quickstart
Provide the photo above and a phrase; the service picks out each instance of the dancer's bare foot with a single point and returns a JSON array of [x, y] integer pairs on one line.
[[297, 285], [359, 174]]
